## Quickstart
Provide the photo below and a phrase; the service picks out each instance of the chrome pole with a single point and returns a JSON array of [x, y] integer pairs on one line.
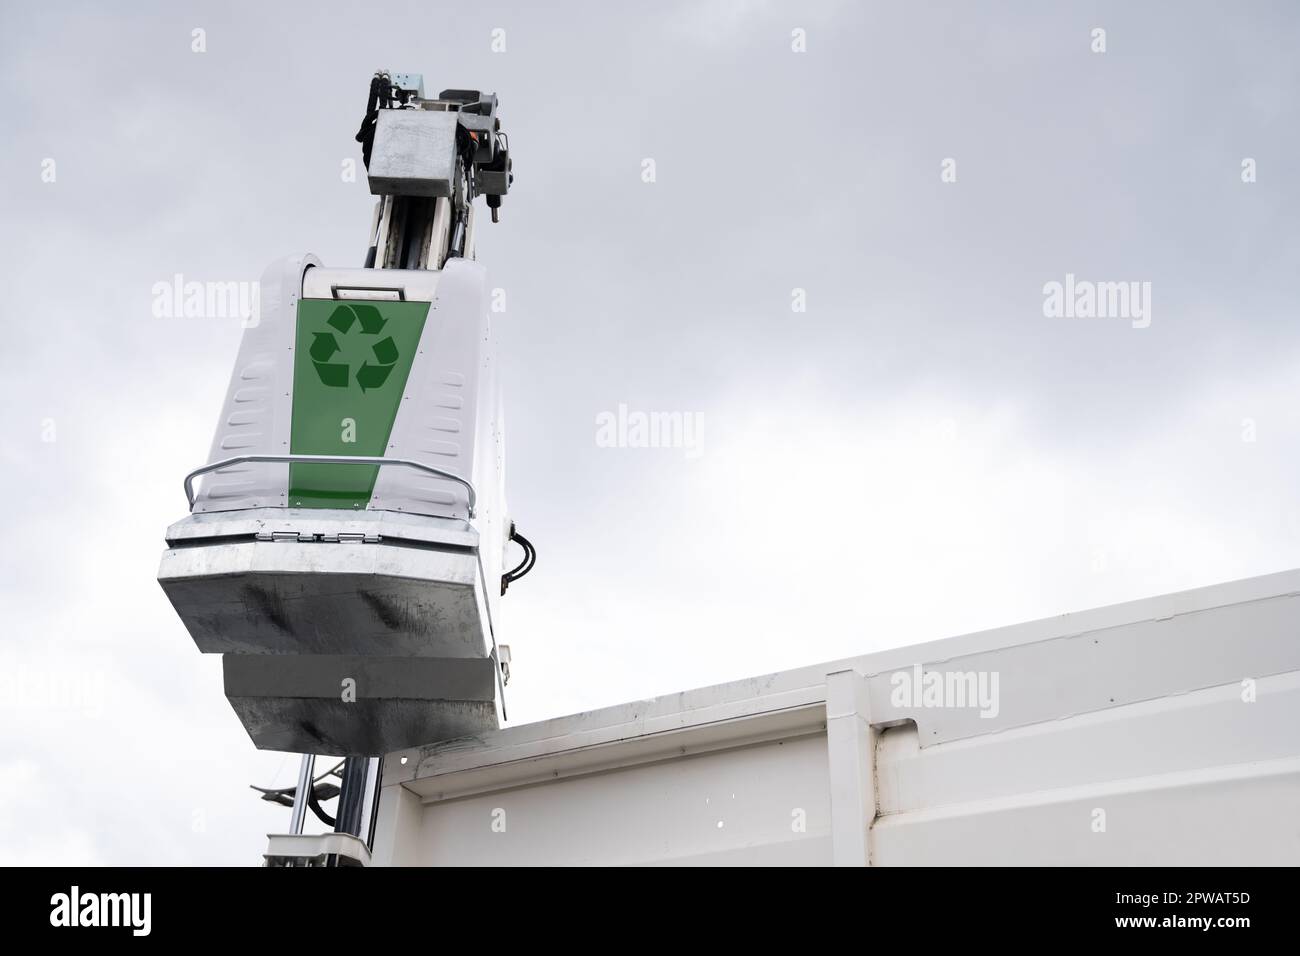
[[301, 794]]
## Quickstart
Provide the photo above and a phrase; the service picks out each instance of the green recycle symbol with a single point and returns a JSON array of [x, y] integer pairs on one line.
[[325, 346]]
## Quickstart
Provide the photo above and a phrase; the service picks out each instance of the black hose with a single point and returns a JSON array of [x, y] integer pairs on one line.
[[524, 566], [380, 98], [317, 809]]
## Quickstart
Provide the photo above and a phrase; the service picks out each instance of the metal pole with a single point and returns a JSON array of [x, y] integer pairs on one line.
[[300, 795], [352, 795], [374, 769]]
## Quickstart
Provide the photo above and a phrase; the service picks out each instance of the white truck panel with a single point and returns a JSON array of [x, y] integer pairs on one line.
[[1165, 731], [255, 418]]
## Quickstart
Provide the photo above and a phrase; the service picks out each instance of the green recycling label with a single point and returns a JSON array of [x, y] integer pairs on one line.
[[368, 322], [351, 362]]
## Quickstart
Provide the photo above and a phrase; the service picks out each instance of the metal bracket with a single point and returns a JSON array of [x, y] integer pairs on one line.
[[327, 460]]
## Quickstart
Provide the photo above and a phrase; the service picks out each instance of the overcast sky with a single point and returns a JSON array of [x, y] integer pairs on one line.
[[921, 453]]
